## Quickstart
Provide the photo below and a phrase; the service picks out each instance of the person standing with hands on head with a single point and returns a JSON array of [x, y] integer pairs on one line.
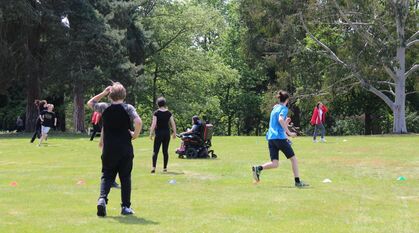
[[117, 150], [160, 128], [277, 137], [318, 119], [48, 120]]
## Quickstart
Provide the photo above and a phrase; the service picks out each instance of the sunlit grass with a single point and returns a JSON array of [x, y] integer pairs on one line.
[[57, 186]]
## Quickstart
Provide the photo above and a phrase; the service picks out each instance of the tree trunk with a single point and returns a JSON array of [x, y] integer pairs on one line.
[[32, 93], [229, 119], [155, 88], [399, 107], [32, 78], [78, 113]]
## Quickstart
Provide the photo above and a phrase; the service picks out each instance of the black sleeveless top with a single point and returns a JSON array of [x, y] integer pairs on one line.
[[163, 118], [117, 138]]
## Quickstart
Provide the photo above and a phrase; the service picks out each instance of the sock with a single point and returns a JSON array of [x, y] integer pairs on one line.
[[297, 179], [260, 168]]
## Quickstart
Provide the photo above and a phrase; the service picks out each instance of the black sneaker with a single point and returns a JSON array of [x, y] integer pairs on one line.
[[165, 170], [256, 173], [115, 185], [301, 184], [153, 171], [101, 207], [127, 211]]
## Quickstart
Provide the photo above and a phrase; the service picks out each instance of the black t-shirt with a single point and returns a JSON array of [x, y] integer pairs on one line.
[[117, 138], [49, 118], [163, 118]]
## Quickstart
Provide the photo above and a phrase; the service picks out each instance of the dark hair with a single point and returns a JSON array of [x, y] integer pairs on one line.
[[282, 96], [195, 120], [161, 102]]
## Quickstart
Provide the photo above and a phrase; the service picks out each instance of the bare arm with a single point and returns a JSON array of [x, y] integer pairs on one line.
[[138, 124], [284, 125], [98, 97], [173, 124], [153, 127], [55, 121]]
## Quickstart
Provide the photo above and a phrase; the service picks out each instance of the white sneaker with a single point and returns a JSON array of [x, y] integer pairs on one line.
[[322, 140], [315, 141]]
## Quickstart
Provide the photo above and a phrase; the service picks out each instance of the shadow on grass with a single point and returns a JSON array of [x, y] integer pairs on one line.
[[132, 219], [173, 173], [293, 187]]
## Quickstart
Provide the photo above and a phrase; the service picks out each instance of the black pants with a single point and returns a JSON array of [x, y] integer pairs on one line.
[[96, 128], [161, 138], [37, 133], [123, 168]]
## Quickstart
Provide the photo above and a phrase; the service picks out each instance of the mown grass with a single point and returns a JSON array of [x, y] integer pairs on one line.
[[215, 195]]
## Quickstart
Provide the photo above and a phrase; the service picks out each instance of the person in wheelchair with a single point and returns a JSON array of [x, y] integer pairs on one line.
[[195, 132]]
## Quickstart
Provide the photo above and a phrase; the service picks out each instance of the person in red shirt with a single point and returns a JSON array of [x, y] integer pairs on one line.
[[317, 119], [97, 124]]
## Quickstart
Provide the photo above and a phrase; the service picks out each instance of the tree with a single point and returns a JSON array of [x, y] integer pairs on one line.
[[365, 25]]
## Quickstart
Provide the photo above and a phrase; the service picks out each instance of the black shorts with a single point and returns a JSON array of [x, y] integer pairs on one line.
[[276, 145]]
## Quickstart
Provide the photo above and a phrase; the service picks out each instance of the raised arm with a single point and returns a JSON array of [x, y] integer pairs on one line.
[[98, 97], [173, 124]]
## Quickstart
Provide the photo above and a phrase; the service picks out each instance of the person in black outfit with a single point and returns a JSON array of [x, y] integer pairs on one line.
[[160, 127], [117, 150], [48, 120], [41, 105]]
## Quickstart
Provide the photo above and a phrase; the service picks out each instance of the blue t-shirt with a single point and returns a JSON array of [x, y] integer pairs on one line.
[[275, 129]]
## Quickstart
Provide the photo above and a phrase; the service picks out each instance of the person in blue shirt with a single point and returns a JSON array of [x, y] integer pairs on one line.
[[277, 137]]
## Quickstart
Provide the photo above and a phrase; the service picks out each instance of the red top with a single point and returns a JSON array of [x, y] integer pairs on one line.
[[96, 118], [315, 119]]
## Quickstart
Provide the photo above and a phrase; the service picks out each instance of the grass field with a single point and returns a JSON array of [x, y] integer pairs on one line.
[[57, 188]]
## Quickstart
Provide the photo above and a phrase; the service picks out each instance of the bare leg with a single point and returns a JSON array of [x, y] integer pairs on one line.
[[42, 138], [269, 165], [294, 164]]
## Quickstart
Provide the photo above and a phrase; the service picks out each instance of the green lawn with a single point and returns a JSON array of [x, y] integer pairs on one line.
[[215, 195]]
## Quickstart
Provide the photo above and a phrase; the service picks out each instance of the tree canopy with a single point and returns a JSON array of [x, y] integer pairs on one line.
[[221, 60]]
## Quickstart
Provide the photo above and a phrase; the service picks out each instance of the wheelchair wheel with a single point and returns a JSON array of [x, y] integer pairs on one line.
[[212, 154], [191, 153]]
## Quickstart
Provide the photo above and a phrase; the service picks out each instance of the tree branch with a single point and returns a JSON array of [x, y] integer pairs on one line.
[[355, 26], [411, 43], [378, 93], [412, 92], [386, 82], [390, 72], [413, 37], [165, 45], [388, 91], [413, 69], [332, 55]]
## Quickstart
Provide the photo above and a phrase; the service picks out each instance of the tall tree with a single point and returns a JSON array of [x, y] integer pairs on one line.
[[371, 34]]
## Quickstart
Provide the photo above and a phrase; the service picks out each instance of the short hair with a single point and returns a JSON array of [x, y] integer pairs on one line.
[[50, 106], [195, 119], [282, 96], [161, 102], [118, 92]]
